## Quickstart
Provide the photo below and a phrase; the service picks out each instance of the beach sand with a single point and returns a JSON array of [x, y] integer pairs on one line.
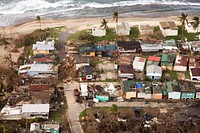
[[74, 25]]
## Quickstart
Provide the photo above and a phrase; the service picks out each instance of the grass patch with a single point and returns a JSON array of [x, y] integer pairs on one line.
[[187, 75], [134, 33], [173, 74], [189, 36], [110, 35]]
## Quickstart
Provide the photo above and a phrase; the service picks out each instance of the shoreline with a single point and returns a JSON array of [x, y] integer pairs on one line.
[[77, 24]]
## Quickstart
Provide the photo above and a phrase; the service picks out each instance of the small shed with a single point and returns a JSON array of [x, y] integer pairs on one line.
[[173, 89], [181, 63], [169, 46], [157, 90], [167, 61], [84, 89], [153, 60], [188, 90], [126, 71], [139, 63], [97, 30], [123, 29], [146, 91], [168, 28], [195, 74]]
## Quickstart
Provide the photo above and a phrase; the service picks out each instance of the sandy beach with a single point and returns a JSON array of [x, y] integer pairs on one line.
[[74, 25]]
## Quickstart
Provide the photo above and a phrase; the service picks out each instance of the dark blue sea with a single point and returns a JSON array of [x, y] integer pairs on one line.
[[17, 11]]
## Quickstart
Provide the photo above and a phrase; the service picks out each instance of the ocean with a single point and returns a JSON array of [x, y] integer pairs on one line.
[[14, 12]]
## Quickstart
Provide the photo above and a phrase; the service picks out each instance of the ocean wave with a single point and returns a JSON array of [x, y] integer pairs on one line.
[[26, 6]]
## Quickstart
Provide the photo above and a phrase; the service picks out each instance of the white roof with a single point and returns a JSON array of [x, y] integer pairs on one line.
[[139, 63], [34, 126], [41, 67], [84, 90], [7, 110], [151, 46], [44, 45], [154, 69], [125, 26], [30, 108]]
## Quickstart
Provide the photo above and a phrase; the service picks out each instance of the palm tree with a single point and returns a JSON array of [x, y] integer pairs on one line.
[[115, 18], [104, 24], [183, 20], [38, 18], [196, 23]]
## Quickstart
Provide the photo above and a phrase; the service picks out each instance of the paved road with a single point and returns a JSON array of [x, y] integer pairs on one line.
[[74, 109]]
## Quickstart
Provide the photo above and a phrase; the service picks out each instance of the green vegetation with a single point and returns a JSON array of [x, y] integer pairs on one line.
[[81, 36], [134, 33], [189, 36], [114, 108], [110, 35], [111, 80], [173, 74], [187, 75]]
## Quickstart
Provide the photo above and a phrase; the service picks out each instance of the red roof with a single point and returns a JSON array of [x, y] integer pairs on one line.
[[40, 87], [154, 58], [195, 71], [43, 59]]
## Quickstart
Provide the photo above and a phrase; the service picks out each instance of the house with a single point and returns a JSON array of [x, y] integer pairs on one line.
[[126, 71], [35, 110], [97, 30], [190, 29], [36, 69], [51, 127], [85, 73], [125, 59], [194, 46], [43, 60], [106, 50], [168, 28], [154, 72], [188, 90], [111, 89], [195, 74], [153, 60], [139, 63], [145, 29], [87, 50], [198, 93], [181, 63], [129, 90], [169, 46], [84, 89], [167, 61], [11, 113], [43, 47], [128, 47], [81, 61], [194, 62], [123, 29], [173, 89], [151, 47], [145, 92], [157, 90], [35, 128]]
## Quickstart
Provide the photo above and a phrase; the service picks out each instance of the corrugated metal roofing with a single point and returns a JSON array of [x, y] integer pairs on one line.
[[35, 108]]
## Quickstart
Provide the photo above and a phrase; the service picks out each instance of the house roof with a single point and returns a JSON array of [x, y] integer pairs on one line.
[[43, 68], [173, 86], [88, 70], [126, 69], [167, 59], [145, 46], [44, 60], [125, 60], [154, 58], [40, 87], [171, 42], [169, 25], [44, 45], [131, 45], [181, 61], [35, 108], [86, 48], [195, 71], [128, 86], [139, 59], [195, 44], [146, 27], [54, 126], [154, 69], [187, 86], [124, 25], [194, 61]]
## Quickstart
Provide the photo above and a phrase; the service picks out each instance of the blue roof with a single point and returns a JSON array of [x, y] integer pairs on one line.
[[139, 85], [88, 70]]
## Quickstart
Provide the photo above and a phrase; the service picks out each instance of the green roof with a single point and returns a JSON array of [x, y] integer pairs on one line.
[[129, 86], [169, 86], [167, 60]]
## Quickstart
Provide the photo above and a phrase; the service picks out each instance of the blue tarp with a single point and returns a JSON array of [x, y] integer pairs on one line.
[[102, 98], [138, 85]]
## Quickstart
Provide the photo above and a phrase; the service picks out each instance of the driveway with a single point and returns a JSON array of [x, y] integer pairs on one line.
[[74, 108]]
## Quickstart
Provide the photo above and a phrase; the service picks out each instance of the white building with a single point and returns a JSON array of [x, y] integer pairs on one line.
[[174, 91], [139, 63], [169, 45], [154, 72], [195, 74], [123, 29], [35, 110], [194, 46], [97, 30], [181, 63], [190, 29], [168, 28], [151, 47], [84, 90], [11, 113], [145, 29]]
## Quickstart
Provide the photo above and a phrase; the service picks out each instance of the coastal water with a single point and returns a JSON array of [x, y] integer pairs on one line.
[[17, 11]]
